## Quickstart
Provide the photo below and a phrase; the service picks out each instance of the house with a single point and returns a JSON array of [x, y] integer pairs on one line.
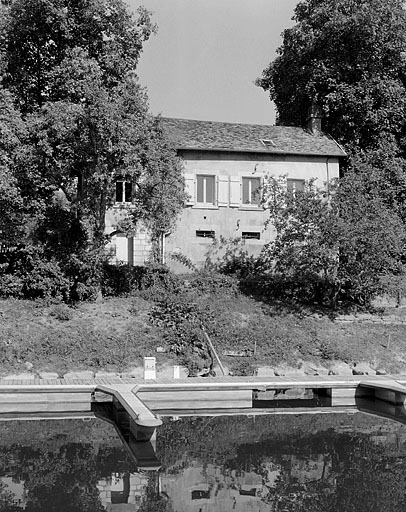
[[225, 165]]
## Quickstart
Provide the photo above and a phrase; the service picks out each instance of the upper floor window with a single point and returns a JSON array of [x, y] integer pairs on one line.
[[205, 189], [295, 185], [251, 191], [124, 191]]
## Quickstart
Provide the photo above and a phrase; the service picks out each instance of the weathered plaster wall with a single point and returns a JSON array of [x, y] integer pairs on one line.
[[134, 250], [231, 220]]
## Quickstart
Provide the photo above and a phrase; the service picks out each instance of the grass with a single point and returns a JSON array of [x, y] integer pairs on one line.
[[116, 334]]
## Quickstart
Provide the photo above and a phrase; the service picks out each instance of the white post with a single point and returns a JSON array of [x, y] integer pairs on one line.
[[176, 372], [149, 368]]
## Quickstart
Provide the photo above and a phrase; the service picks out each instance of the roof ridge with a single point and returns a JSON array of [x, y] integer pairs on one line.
[[231, 123]]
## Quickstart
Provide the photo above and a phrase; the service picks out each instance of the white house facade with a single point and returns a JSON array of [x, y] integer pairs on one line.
[[225, 165]]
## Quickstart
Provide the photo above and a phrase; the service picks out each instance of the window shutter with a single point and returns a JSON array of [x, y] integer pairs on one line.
[[235, 191], [223, 191], [190, 188]]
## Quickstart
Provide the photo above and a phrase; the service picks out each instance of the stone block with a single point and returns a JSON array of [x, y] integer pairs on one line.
[[265, 371], [295, 393], [101, 375], [79, 375], [48, 375], [340, 368], [20, 376]]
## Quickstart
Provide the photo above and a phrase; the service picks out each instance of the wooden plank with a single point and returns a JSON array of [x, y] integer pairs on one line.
[[43, 388], [33, 407], [44, 397], [196, 399]]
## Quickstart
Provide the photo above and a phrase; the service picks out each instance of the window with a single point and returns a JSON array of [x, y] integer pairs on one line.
[[206, 187], [205, 234], [251, 235], [268, 143], [295, 185], [124, 192], [251, 191]]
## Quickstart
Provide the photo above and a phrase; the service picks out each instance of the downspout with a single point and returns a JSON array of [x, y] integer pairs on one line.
[[328, 179]]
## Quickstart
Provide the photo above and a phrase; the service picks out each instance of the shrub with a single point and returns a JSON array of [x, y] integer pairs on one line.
[[122, 280], [62, 312], [11, 286], [229, 256], [212, 282], [31, 275]]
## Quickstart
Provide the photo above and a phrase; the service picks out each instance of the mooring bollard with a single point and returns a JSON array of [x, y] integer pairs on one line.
[[149, 368]]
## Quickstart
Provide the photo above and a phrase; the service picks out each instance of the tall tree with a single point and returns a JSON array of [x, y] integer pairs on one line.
[[71, 67], [347, 56], [39, 34]]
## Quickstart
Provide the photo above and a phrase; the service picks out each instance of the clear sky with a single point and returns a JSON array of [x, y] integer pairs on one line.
[[204, 60]]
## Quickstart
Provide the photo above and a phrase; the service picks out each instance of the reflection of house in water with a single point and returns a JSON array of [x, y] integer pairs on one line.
[[122, 492], [316, 467], [16, 492], [214, 489]]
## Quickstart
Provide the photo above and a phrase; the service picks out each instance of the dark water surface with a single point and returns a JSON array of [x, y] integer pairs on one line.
[[284, 463]]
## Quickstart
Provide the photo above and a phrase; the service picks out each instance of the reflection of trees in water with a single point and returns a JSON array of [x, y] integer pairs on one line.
[[356, 474], [152, 500], [61, 478]]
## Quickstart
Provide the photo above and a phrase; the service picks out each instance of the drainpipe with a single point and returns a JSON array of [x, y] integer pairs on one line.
[[328, 179]]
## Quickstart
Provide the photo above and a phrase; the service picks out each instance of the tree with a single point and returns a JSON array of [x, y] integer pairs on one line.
[[11, 204], [348, 57], [39, 34], [71, 67], [333, 247]]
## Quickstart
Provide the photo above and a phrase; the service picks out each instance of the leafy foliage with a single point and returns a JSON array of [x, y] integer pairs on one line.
[[333, 245], [348, 57], [80, 122]]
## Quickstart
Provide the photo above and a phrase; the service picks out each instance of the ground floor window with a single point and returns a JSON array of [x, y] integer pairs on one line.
[[295, 185]]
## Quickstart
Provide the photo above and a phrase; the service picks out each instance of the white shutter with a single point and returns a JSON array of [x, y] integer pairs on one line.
[[235, 191], [222, 191], [121, 243], [190, 188]]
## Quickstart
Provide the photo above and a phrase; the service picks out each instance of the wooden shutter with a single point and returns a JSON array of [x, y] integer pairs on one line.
[[235, 191], [121, 244], [190, 188], [222, 191]]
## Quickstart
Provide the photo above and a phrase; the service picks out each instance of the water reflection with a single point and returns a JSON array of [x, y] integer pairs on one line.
[[330, 462]]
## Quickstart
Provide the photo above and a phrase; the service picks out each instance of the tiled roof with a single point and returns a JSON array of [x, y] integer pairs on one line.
[[213, 135]]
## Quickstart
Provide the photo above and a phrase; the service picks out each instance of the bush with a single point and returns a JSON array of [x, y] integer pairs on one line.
[[212, 282], [62, 312], [32, 276], [122, 280], [229, 256], [11, 286]]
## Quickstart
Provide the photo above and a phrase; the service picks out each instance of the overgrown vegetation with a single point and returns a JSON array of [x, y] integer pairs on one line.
[[343, 61], [74, 121]]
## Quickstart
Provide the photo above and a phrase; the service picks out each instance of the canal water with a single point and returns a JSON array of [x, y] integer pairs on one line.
[[283, 463]]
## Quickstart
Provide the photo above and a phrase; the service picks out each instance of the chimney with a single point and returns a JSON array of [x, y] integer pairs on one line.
[[313, 121]]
